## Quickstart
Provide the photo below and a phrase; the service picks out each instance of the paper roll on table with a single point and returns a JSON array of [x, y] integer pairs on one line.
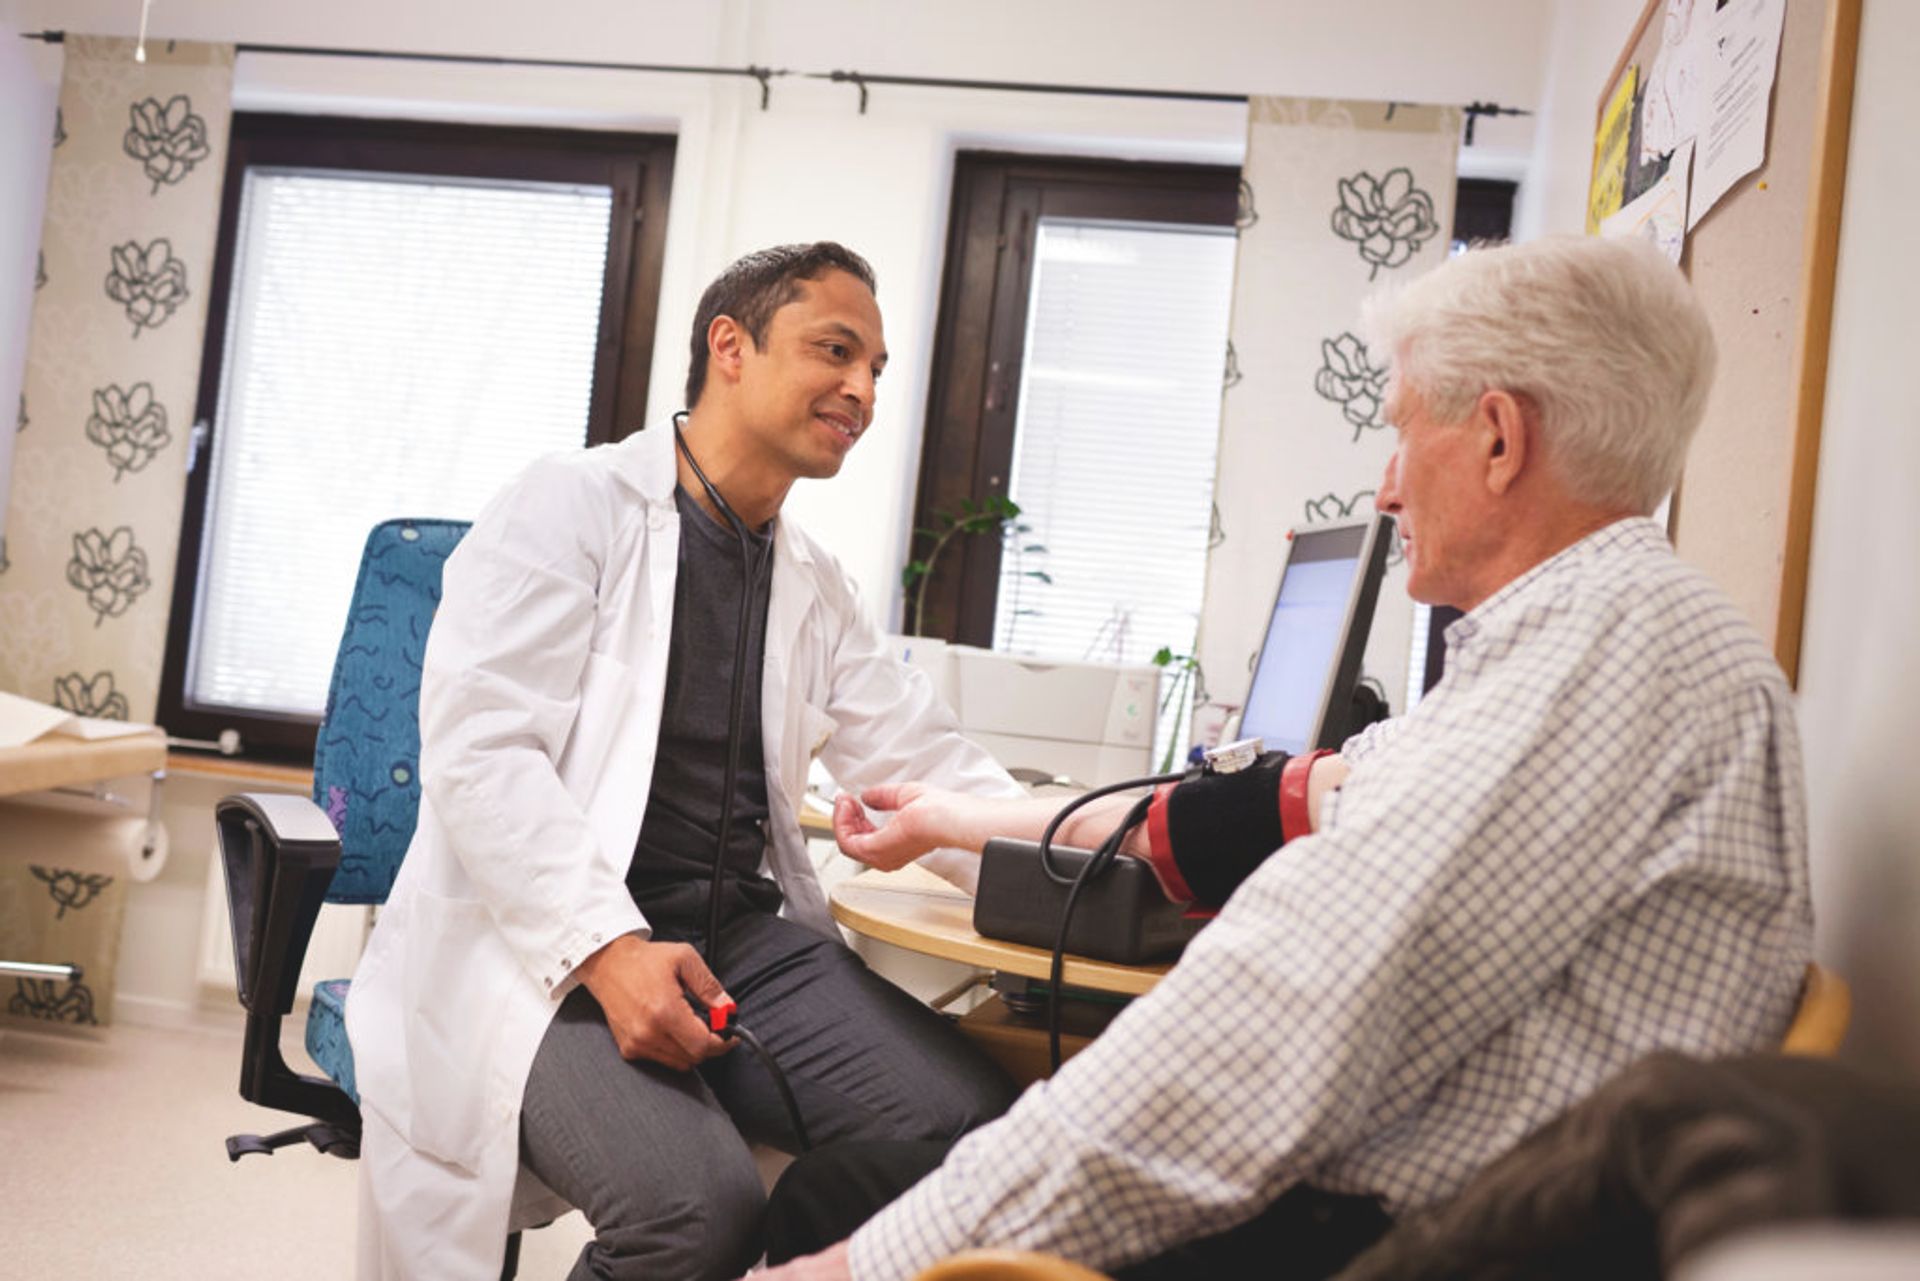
[[81, 834]]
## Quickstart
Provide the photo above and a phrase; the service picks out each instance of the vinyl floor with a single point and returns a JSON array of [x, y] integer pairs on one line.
[[112, 1165]]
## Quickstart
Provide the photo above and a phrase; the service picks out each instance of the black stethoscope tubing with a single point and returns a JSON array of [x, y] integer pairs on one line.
[[753, 571]]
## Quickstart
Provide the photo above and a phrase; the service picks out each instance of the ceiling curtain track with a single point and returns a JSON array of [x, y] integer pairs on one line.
[[767, 75]]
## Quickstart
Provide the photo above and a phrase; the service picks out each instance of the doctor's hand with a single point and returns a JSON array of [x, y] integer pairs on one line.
[[642, 988], [924, 819]]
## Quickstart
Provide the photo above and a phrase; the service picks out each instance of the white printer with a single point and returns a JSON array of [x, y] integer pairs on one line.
[[1088, 722]]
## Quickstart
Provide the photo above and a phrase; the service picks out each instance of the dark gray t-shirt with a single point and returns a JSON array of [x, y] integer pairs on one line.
[[681, 828]]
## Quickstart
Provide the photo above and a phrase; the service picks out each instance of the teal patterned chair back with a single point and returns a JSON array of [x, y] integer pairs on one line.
[[366, 762]]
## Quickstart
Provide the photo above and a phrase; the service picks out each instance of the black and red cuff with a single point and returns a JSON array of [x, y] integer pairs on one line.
[[1296, 816], [1206, 836]]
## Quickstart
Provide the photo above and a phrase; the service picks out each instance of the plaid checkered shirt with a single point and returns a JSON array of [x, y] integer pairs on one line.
[[1586, 843]]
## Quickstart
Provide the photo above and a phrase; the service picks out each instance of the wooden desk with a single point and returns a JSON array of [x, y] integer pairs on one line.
[[56, 760], [59, 761], [242, 772], [914, 909]]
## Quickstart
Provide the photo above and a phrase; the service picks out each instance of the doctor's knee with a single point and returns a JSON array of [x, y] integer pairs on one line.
[[709, 1227]]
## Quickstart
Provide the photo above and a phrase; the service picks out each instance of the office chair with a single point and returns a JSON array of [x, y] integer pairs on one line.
[[1007, 1265], [1820, 1023], [285, 855]]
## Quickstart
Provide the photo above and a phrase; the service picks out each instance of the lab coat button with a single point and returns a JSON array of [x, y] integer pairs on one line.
[[565, 964]]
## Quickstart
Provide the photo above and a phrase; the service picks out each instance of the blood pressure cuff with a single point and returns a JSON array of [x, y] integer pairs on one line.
[[1207, 835]]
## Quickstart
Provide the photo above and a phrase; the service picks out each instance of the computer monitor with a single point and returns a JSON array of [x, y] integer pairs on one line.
[[1303, 681]]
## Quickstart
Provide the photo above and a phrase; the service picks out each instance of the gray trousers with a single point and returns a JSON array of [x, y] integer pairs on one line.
[[657, 1160]]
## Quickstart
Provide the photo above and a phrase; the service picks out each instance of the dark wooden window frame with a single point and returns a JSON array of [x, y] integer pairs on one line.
[[1483, 209], [639, 170], [998, 202]]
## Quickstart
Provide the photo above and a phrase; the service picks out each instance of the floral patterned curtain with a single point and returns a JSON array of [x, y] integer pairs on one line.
[[1336, 199], [99, 465]]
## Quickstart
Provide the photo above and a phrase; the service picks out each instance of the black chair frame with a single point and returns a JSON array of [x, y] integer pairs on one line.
[[276, 882]]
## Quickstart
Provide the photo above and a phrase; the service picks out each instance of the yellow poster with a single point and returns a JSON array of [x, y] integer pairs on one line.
[[1607, 192]]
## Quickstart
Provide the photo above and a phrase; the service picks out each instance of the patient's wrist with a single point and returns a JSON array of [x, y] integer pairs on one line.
[[969, 822]]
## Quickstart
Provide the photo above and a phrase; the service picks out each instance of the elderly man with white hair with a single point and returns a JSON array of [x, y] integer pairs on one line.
[[1587, 843]]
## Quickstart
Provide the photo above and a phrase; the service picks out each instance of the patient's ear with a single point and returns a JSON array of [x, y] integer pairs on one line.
[[1506, 423]]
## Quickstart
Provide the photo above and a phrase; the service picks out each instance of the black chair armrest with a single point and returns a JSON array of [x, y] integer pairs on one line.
[[279, 853]]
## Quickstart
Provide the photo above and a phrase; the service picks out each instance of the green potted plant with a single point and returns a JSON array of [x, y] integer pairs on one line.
[[1187, 680], [997, 514]]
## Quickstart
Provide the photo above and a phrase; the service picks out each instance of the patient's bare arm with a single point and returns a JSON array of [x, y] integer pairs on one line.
[[929, 818]]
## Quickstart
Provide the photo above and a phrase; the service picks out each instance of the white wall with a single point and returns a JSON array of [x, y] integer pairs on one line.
[[1860, 662], [1586, 38], [812, 166], [29, 79]]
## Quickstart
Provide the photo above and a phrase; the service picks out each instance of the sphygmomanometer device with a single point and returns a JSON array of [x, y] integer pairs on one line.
[[1304, 678], [1110, 906], [1031, 892], [1124, 916], [1123, 912]]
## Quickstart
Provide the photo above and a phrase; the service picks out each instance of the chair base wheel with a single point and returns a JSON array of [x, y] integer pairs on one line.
[[334, 1140]]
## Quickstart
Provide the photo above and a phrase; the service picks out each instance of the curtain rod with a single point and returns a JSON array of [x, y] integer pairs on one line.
[[766, 76]]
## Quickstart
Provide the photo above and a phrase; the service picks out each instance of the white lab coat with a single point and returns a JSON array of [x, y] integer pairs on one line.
[[540, 708]]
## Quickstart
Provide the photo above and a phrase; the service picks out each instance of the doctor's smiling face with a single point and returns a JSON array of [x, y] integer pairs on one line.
[[786, 348], [805, 393]]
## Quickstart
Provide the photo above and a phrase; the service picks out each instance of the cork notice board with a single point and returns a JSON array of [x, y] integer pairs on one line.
[[1762, 262]]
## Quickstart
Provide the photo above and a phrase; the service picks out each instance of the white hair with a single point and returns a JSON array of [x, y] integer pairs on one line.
[[1604, 337]]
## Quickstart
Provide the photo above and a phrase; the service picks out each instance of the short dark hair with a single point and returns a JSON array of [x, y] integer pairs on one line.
[[758, 285]]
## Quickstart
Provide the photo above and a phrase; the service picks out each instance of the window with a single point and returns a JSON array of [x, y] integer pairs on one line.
[[402, 317], [1077, 371], [1115, 440], [1085, 304]]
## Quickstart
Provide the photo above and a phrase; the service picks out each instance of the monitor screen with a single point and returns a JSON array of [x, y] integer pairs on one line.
[[1310, 658]]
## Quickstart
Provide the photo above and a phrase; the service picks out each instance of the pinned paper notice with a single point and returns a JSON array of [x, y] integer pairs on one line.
[[1608, 189], [1671, 99], [1660, 212], [1738, 63]]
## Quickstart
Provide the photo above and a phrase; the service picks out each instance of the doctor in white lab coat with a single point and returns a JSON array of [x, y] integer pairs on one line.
[[540, 709]]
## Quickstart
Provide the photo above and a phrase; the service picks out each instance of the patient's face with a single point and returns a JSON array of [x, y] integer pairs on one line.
[[1433, 488], [808, 390]]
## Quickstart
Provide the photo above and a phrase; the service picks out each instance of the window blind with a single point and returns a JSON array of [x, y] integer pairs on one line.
[[396, 347], [1116, 438]]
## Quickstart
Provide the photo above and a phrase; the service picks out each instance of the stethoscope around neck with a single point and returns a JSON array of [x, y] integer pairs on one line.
[[755, 568]]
